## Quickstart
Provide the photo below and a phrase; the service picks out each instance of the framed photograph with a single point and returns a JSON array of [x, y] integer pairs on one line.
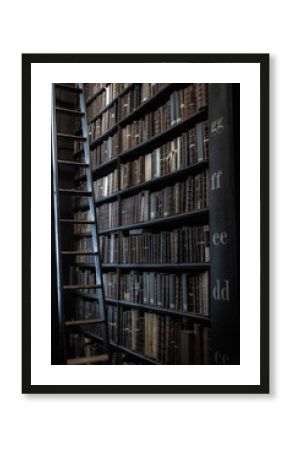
[[145, 223]]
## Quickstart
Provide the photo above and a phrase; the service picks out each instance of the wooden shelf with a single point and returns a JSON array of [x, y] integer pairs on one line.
[[122, 348], [164, 136], [106, 199], [156, 267], [103, 168], [132, 353], [164, 180], [91, 99], [164, 266], [160, 310], [200, 213]]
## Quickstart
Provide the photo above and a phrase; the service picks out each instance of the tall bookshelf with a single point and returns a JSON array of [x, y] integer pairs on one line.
[[222, 316]]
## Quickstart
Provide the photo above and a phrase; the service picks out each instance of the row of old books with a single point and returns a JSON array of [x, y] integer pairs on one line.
[[107, 215], [178, 198], [136, 96], [97, 105], [82, 228], [127, 102], [86, 309], [182, 105], [105, 97], [85, 276], [185, 292], [181, 197], [184, 151], [106, 185], [103, 123], [112, 90], [110, 280], [91, 89], [107, 150], [66, 126], [112, 315], [181, 245], [81, 276], [80, 202], [84, 244], [80, 346], [109, 248], [149, 90], [163, 338]]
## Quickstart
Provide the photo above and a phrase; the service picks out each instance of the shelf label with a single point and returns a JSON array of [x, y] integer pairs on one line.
[[221, 358], [221, 292], [217, 126], [216, 180], [220, 238]]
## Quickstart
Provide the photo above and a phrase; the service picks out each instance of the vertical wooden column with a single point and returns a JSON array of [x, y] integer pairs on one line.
[[224, 222]]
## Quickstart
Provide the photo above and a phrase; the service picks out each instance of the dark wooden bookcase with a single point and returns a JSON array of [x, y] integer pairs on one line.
[[222, 215]]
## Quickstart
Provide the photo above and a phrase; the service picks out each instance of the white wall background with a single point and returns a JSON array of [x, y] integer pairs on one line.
[[219, 422]]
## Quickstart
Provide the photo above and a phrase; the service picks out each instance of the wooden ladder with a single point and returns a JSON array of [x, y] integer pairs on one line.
[[59, 221]]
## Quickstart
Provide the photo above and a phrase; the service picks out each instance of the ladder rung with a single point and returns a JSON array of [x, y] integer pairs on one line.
[[70, 323], [67, 149], [93, 296], [74, 192], [65, 87], [71, 136], [73, 112], [72, 163], [81, 222], [76, 253], [88, 359], [81, 286]]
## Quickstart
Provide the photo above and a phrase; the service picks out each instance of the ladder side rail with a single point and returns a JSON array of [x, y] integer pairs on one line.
[[95, 236], [57, 224]]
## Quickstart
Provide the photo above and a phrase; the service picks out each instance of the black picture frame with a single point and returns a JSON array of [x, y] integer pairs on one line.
[[27, 61]]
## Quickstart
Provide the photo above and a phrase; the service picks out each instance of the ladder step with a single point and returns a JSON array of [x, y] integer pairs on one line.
[[71, 323], [66, 87], [76, 253], [73, 112], [80, 222], [81, 286], [71, 136], [74, 192], [72, 163], [88, 359]]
